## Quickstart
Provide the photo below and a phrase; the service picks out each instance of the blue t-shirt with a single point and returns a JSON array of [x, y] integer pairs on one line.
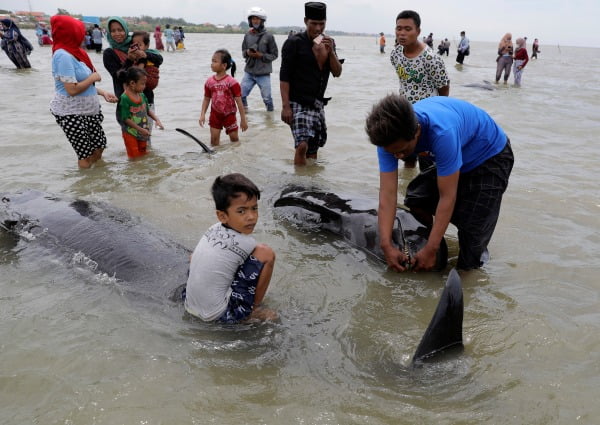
[[457, 134], [67, 69]]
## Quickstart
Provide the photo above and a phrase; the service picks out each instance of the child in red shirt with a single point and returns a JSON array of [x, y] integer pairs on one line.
[[224, 94]]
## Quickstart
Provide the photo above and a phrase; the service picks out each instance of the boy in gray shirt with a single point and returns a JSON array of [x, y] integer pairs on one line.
[[229, 272]]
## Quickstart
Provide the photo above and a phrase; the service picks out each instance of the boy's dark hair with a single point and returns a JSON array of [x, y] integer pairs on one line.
[[231, 186], [144, 34], [227, 60], [410, 14], [390, 120], [124, 76]]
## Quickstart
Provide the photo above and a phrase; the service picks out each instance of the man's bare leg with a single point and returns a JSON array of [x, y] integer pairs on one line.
[[300, 156]]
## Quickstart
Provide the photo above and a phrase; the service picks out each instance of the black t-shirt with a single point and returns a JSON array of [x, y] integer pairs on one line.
[[300, 69]]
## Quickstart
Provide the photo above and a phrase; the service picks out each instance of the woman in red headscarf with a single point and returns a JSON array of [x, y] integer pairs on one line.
[[75, 104]]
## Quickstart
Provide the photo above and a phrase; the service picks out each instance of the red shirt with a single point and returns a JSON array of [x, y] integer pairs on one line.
[[222, 94], [521, 54]]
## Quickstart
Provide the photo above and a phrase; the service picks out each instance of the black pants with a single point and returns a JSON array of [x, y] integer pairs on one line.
[[477, 207]]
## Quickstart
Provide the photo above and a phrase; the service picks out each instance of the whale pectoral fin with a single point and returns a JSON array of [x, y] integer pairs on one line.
[[445, 329]]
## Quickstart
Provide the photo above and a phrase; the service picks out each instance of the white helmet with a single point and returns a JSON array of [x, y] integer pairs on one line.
[[259, 12]]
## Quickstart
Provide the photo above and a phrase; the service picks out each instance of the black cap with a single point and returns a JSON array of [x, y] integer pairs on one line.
[[315, 10]]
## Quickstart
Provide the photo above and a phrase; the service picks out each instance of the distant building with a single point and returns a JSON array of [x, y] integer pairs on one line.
[[34, 14]]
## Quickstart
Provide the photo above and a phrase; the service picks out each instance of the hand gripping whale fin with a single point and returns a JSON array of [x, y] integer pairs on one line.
[[445, 329], [204, 147]]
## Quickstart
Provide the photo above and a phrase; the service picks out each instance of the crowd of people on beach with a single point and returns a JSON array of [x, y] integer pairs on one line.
[[464, 156]]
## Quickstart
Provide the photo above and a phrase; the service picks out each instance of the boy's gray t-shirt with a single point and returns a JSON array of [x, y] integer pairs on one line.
[[218, 255]]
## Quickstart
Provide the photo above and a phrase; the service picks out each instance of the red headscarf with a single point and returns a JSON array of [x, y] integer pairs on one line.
[[68, 34]]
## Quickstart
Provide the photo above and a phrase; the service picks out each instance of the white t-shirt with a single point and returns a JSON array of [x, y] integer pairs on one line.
[[218, 255]]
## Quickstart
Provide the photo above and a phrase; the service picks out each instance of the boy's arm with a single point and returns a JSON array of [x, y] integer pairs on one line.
[[240, 106]]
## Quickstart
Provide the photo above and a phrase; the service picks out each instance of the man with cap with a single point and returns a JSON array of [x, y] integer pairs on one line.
[[259, 50], [307, 59]]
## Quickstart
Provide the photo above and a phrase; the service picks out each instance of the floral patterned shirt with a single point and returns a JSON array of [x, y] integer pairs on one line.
[[420, 77]]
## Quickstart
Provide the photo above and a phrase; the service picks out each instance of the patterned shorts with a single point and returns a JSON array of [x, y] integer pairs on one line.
[[308, 125], [84, 132], [243, 290], [477, 207]]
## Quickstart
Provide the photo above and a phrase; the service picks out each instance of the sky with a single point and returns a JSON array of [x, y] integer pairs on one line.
[[554, 22]]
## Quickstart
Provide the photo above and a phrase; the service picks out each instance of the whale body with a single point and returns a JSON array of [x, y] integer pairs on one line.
[[355, 220], [152, 264], [110, 238]]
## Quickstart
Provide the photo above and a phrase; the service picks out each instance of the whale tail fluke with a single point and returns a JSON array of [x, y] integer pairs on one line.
[[445, 329]]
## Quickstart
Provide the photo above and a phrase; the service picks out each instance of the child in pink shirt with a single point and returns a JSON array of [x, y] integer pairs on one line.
[[224, 94]]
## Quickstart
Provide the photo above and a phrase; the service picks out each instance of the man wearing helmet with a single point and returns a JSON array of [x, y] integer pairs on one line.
[[259, 50], [307, 59]]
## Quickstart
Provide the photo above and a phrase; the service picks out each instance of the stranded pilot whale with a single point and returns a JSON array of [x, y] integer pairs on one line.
[[108, 238], [150, 263], [355, 220]]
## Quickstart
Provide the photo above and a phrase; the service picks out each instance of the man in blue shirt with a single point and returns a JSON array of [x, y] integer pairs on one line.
[[472, 161]]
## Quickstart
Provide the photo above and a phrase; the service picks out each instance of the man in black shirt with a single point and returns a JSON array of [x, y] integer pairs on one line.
[[307, 59]]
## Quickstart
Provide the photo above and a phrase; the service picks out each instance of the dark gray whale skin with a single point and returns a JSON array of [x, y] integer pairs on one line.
[[121, 245], [355, 220], [445, 329], [150, 263]]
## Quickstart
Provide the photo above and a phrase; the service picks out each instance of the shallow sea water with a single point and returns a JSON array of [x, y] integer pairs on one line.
[[76, 349]]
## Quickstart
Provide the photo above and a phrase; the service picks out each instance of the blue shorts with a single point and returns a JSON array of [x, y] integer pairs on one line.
[[243, 289]]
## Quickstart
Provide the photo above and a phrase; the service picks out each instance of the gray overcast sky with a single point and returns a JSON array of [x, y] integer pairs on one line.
[[554, 22]]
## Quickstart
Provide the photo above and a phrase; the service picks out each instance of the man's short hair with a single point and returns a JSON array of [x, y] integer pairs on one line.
[[391, 119], [231, 186], [410, 14]]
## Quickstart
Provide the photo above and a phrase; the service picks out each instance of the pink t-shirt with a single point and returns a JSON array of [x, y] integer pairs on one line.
[[222, 94]]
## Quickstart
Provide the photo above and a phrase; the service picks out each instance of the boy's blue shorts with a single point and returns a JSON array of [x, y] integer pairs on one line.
[[243, 291]]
